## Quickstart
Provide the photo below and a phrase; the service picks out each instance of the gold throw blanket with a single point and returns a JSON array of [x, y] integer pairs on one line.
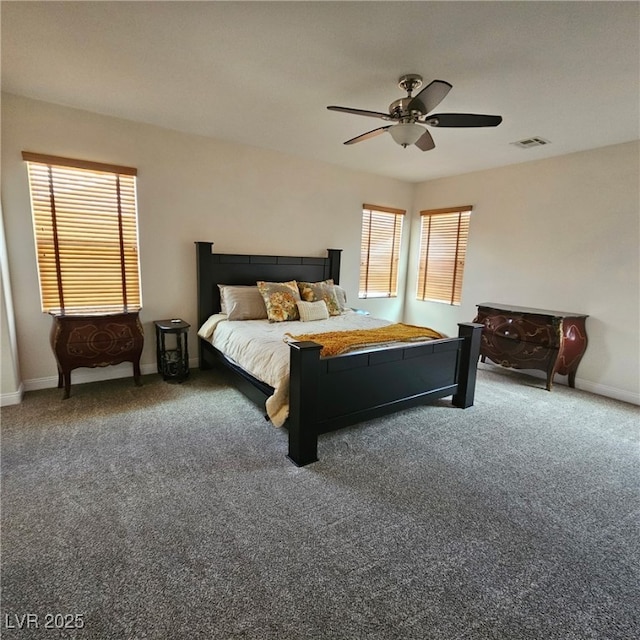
[[337, 342]]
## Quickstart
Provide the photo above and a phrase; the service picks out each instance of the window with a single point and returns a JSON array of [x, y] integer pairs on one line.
[[86, 232], [379, 251], [443, 246]]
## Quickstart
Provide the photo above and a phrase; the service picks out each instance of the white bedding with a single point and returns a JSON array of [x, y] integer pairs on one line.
[[259, 347]]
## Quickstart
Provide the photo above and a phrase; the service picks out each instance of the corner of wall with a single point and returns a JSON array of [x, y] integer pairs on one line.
[[15, 397], [11, 387]]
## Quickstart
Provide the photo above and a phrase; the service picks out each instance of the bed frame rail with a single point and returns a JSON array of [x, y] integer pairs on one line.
[[330, 393]]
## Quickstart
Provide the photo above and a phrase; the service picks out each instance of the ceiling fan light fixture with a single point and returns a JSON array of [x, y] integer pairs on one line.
[[406, 133]]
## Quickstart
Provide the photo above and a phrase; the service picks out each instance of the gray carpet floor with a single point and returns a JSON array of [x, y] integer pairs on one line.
[[170, 512]]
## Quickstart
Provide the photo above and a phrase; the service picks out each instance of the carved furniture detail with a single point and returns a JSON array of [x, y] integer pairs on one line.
[[95, 341], [526, 338]]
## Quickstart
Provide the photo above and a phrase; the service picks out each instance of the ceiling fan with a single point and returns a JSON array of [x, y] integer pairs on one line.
[[410, 113]]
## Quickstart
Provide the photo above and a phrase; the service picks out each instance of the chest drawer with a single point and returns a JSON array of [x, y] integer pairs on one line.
[[536, 329], [108, 339]]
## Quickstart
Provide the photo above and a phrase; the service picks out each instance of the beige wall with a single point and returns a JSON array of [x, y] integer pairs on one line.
[[189, 188], [559, 233], [562, 234]]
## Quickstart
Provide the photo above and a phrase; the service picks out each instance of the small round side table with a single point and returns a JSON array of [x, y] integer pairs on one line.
[[173, 361]]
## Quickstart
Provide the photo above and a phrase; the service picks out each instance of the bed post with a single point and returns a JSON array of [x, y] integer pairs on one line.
[[303, 399], [469, 355], [334, 265], [205, 286]]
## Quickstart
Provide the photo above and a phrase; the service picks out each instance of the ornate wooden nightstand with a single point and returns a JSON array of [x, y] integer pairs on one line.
[[95, 341], [173, 362]]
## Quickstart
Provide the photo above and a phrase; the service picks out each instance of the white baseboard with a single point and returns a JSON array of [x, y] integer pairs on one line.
[[15, 397], [98, 374], [608, 392], [583, 385]]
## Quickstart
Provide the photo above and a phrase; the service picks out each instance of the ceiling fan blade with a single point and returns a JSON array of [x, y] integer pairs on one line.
[[361, 112], [462, 120], [368, 135], [425, 142], [430, 97]]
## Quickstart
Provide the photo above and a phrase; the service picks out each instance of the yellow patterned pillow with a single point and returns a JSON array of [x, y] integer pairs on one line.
[[314, 291], [280, 299]]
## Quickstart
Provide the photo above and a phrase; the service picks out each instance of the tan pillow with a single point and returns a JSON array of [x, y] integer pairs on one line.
[[242, 302], [280, 300], [310, 311], [314, 291]]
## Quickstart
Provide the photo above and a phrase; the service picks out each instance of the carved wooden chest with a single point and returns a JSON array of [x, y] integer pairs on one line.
[[95, 341], [525, 338]]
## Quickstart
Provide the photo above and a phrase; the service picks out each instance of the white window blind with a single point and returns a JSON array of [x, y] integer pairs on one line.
[[380, 251], [85, 225], [443, 247]]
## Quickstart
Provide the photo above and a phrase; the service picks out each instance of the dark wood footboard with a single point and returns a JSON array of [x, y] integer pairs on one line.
[[330, 393]]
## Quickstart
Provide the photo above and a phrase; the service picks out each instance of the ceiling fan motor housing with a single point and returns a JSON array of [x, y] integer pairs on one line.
[[399, 110]]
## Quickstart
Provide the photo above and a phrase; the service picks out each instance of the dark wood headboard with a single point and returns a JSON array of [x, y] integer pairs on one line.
[[228, 268]]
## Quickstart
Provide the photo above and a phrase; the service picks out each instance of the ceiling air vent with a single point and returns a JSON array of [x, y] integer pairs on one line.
[[527, 143]]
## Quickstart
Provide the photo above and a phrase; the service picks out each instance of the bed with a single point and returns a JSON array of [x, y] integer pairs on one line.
[[328, 393]]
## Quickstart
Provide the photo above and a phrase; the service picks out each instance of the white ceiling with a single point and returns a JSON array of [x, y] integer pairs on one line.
[[262, 73]]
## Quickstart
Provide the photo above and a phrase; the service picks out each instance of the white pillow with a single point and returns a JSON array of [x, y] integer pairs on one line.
[[341, 294], [310, 311]]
